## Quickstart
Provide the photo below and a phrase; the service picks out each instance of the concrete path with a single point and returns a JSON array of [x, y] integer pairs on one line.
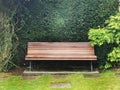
[[57, 72]]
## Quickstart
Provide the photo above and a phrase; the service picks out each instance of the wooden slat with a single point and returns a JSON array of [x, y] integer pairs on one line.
[[62, 53], [57, 55], [59, 48], [59, 51], [80, 51], [79, 59], [59, 44], [61, 58]]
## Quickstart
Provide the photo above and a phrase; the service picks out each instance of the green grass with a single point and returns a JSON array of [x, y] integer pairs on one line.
[[106, 81]]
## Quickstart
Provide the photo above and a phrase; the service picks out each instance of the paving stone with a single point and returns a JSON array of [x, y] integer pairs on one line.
[[59, 76], [4, 77], [29, 77], [117, 74], [91, 75], [35, 73], [60, 85]]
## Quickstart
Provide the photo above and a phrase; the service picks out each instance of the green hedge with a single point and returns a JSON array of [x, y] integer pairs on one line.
[[62, 20]]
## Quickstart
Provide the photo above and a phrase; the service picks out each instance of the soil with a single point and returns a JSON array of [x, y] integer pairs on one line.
[[16, 71], [116, 69], [29, 77], [4, 77]]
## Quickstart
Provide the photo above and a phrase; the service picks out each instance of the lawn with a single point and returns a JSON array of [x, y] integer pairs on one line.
[[106, 81]]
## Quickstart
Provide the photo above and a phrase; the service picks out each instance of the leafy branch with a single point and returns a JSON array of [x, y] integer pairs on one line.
[[109, 34]]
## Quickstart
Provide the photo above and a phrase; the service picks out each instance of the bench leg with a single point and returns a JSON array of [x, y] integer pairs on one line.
[[30, 66], [91, 66]]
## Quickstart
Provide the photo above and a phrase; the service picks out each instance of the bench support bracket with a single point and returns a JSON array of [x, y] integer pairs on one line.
[[91, 66], [30, 66]]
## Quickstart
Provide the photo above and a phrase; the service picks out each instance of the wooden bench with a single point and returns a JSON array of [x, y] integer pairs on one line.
[[60, 51]]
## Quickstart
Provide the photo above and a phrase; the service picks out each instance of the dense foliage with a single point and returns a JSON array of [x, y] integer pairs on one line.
[[111, 35], [64, 20]]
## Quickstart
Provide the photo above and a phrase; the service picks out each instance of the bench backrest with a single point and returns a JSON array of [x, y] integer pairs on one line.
[[60, 51]]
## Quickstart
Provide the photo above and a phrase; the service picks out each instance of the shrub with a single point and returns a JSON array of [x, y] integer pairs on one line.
[[6, 43], [109, 34]]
